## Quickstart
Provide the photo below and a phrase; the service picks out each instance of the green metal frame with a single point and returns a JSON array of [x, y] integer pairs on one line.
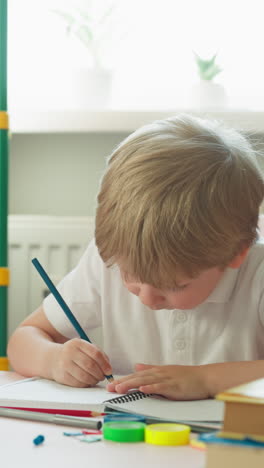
[[3, 178]]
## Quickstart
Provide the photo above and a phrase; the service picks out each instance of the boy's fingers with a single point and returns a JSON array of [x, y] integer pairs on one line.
[[72, 381], [106, 357], [85, 377], [135, 382], [97, 355], [140, 366], [110, 387], [88, 366], [152, 388], [128, 382], [137, 376], [123, 379]]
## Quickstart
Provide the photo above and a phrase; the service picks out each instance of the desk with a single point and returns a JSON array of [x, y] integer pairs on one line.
[[58, 451]]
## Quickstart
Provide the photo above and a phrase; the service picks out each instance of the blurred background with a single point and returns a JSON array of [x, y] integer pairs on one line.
[[149, 47], [82, 75]]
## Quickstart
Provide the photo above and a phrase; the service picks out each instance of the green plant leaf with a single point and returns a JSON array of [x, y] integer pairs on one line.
[[207, 69], [211, 72], [66, 16], [91, 27], [106, 15], [85, 35]]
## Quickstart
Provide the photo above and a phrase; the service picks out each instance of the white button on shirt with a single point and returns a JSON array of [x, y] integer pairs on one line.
[[181, 316], [180, 344], [227, 326]]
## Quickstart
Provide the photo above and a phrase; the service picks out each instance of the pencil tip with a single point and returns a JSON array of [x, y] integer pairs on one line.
[[110, 378]]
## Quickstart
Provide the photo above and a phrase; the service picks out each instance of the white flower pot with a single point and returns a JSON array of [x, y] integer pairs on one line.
[[207, 95], [90, 88]]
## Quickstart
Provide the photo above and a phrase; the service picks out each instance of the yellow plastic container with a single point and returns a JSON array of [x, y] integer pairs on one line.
[[167, 434]]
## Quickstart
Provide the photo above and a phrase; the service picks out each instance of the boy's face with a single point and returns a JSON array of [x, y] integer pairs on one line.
[[189, 293]]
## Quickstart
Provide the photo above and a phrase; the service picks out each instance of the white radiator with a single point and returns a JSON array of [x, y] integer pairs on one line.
[[57, 242]]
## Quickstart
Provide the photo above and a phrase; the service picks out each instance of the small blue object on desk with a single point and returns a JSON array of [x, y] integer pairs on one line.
[[214, 438], [52, 288], [38, 440]]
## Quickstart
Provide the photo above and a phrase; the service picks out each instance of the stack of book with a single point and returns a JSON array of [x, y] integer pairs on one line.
[[240, 443]]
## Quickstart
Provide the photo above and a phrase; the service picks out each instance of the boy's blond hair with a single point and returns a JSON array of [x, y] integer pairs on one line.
[[179, 196]]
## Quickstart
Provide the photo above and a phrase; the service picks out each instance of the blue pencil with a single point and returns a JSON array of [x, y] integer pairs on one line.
[[52, 288]]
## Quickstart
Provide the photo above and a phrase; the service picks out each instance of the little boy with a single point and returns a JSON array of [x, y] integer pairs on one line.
[[175, 276]]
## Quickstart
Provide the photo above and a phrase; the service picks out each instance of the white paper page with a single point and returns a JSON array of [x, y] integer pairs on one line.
[[9, 377], [198, 410], [42, 393]]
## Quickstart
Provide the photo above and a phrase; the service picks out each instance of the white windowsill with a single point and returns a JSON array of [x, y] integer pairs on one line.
[[81, 121]]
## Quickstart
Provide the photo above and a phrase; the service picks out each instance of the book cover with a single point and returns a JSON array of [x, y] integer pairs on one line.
[[228, 453], [244, 410]]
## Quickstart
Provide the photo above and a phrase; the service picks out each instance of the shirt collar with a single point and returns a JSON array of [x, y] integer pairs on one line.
[[225, 287]]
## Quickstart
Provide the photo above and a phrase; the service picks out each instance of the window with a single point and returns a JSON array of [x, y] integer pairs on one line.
[[150, 51]]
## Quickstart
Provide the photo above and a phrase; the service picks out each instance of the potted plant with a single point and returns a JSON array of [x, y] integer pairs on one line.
[[93, 28], [207, 94]]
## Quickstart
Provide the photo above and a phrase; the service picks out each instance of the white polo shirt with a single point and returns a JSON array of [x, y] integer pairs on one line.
[[228, 326]]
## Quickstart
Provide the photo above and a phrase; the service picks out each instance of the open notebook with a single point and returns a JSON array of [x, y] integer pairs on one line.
[[157, 407], [41, 394]]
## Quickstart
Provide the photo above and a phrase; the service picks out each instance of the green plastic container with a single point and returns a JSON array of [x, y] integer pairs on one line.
[[124, 431]]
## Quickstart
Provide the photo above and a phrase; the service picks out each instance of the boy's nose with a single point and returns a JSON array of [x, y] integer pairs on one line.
[[151, 296]]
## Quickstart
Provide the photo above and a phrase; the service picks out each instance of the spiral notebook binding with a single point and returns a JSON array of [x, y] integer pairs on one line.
[[133, 396]]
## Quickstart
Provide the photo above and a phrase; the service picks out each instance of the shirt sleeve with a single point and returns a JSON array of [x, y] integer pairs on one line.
[[80, 290]]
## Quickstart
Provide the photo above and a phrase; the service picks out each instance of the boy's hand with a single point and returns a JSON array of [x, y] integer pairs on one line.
[[173, 382], [79, 364]]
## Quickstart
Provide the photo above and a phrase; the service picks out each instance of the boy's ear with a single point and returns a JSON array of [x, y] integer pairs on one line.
[[239, 258]]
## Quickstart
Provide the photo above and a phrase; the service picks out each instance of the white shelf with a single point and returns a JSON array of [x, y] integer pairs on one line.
[[99, 121]]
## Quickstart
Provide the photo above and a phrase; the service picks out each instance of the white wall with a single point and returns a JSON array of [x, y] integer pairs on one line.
[[57, 174]]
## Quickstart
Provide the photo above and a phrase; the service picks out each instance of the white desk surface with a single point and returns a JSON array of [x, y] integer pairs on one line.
[[17, 448]]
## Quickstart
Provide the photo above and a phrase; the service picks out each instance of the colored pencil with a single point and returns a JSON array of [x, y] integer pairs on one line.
[[52, 288], [65, 412]]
